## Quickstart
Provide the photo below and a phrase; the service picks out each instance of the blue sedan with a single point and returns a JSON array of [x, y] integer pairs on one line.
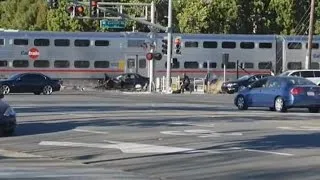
[[280, 93]]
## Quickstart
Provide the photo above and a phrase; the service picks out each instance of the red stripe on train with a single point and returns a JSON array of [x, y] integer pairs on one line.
[[121, 71]]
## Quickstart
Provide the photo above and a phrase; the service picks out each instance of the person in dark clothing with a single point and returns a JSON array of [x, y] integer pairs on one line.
[[185, 83]]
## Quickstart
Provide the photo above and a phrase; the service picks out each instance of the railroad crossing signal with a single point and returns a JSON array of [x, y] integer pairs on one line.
[[156, 56], [77, 10], [94, 5]]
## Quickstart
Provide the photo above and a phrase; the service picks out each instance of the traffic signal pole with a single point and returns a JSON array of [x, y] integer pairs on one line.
[[153, 43], [169, 50]]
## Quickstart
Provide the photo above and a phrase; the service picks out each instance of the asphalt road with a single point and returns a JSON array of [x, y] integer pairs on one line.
[[124, 136]]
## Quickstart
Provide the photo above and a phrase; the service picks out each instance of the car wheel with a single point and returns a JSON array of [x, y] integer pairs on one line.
[[47, 90], [241, 103], [279, 105], [313, 110], [5, 89]]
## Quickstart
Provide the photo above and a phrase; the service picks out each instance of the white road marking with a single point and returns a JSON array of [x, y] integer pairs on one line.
[[301, 128], [269, 152], [126, 147], [192, 124], [200, 133], [13, 154], [90, 131]]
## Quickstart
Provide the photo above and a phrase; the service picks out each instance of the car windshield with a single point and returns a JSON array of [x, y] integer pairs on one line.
[[284, 74], [245, 77], [300, 81], [14, 76]]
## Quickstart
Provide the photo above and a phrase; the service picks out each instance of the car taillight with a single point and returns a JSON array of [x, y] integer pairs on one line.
[[296, 91]]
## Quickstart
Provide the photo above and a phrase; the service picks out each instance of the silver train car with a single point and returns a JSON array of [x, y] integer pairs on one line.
[[90, 55]]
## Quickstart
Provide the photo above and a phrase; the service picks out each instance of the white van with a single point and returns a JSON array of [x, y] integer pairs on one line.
[[310, 74]]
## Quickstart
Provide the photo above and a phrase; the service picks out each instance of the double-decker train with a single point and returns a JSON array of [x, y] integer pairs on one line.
[[90, 55]]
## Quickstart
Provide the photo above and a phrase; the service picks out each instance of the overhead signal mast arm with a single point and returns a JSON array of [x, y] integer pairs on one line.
[[120, 14]]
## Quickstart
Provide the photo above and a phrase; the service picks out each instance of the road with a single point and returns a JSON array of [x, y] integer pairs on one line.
[[111, 135]]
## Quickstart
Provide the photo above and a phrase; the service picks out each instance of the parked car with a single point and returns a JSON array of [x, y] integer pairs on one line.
[[30, 82], [280, 93], [234, 86], [127, 81], [312, 74], [8, 121]]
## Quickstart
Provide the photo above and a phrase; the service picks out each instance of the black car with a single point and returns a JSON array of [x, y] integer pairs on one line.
[[236, 85], [127, 81], [8, 121], [30, 82]]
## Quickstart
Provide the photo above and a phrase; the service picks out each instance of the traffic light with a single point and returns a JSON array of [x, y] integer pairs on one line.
[[78, 10], [177, 43], [55, 4], [156, 56], [164, 46], [94, 5]]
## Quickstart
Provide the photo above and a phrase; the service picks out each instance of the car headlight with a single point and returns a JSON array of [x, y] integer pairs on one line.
[[232, 84], [9, 112]]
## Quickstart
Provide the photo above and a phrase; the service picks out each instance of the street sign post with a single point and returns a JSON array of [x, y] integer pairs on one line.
[[113, 24]]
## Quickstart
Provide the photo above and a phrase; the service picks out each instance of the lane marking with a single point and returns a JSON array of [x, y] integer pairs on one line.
[[301, 128], [200, 133], [90, 131], [269, 152], [192, 124], [14, 154], [124, 147]]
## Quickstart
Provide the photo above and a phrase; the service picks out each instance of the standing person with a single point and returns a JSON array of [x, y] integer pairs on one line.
[[185, 83]]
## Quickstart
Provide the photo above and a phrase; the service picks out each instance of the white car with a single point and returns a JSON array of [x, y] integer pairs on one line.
[[311, 74]]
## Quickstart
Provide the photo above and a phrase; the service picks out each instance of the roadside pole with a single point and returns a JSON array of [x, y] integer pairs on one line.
[[153, 44], [169, 50]]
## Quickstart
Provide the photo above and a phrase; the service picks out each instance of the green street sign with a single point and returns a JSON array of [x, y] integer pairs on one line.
[[112, 24]]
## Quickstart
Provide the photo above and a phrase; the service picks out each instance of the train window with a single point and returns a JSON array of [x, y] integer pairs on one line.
[[81, 42], [81, 64], [228, 45], [62, 42], [211, 65], [3, 63], [248, 65], [175, 64], [61, 64], [1, 42], [315, 65], [101, 64], [131, 63], [41, 63], [317, 73], [247, 45], [41, 42], [294, 45], [265, 45], [191, 44], [101, 43], [314, 45], [230, 65], [307, 74], [135, 43], [294, 65], [191, 65], [265, 65], [22, 42], [142, 63], [20, 63], [210, 44]]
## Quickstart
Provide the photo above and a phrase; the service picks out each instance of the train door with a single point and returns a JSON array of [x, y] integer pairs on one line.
[[136, 64]]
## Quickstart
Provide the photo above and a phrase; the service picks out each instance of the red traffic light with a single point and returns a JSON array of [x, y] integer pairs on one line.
[[79, 9], [149, 56]]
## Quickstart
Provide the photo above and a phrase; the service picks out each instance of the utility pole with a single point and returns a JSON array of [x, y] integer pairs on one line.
[[153, 44], [311, 22], [168, 79]]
